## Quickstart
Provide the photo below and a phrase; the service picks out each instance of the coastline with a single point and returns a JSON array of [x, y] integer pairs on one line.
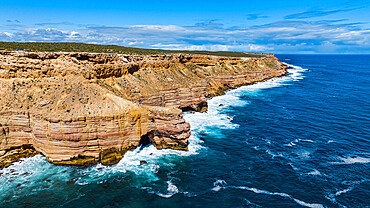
[[131, 162]]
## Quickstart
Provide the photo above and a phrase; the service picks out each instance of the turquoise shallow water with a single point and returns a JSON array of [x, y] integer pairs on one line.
[[297, 141]]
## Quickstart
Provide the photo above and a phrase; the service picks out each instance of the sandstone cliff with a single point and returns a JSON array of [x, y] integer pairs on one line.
[[85, 108]]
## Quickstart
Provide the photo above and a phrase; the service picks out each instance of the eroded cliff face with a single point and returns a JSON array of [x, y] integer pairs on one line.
[[84, 108]]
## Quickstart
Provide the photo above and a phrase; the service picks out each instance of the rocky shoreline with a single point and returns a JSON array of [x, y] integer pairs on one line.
[[89, 108]]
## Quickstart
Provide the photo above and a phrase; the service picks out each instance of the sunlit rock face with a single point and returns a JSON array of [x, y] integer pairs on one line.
[[85, 108]]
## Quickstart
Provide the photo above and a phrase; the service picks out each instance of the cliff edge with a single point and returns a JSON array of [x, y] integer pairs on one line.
[[87, 108]]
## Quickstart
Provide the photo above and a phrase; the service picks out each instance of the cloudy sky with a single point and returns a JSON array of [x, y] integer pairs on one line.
[[286, 26]]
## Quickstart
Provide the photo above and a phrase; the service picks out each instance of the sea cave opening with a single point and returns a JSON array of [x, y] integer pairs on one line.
[[145, 139]]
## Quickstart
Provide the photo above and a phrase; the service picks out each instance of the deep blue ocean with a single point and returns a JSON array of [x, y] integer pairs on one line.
[[302, 140]]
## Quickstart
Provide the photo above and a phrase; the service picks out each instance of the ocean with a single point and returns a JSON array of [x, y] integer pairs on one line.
[[302, 140]]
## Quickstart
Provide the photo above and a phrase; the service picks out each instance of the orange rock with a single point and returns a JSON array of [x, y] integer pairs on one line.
[[86, 108]]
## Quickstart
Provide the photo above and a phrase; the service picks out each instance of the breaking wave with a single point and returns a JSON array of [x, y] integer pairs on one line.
[[221, 184]]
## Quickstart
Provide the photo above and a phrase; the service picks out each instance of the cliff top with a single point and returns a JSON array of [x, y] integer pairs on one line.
[[94, 48]]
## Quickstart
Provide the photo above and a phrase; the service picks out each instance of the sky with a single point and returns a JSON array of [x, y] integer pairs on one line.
[[285, 26]]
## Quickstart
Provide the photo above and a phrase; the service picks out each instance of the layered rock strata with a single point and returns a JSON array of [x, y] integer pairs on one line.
[[85, 108]]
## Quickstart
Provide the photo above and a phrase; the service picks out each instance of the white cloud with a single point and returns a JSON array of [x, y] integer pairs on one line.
[[167, 28], [280, 36], [8, 34], [212, 47]]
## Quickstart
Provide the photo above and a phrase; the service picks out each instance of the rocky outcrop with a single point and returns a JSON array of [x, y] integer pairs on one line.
[[85, 108]]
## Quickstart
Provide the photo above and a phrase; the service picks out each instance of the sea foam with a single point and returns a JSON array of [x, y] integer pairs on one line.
[[260, 191], [352, 160]]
